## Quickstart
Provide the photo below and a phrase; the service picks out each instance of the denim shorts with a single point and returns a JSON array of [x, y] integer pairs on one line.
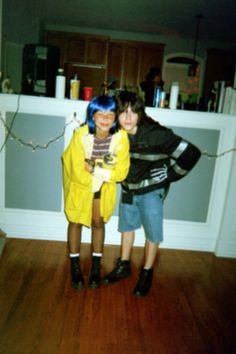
[[146, 210]]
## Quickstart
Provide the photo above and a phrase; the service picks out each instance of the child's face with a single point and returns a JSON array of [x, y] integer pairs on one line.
[[104, 121], [129, 120]]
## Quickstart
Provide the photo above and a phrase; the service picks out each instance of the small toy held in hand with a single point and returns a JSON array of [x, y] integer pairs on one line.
[[110, 159], [91, 164]]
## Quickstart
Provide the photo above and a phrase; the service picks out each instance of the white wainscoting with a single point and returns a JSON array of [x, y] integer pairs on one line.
[[217, 233]]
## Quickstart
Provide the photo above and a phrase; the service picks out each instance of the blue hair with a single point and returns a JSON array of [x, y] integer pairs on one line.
[[101, 103]]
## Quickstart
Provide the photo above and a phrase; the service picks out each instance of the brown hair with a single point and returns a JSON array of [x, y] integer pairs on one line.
[[128, 98]]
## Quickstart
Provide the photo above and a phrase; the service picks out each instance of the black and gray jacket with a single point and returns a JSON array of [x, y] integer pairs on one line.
[[158, 157]]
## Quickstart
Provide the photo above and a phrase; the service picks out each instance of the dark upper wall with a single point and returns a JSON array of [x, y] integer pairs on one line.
[[23, 22], [175, 18]]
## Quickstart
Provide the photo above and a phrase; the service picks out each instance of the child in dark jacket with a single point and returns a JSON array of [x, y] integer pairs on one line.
[[158, 157]]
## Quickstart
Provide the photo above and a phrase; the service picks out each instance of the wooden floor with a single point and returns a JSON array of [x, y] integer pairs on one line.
[[191, 308]]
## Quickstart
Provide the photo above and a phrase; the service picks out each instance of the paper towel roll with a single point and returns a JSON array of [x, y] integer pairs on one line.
[[174, 94], [60, 86]]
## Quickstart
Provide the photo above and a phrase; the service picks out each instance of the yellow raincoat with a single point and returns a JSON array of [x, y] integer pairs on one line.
[[79, 185]]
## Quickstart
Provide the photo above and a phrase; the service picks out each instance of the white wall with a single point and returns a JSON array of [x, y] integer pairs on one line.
[[225, 245]]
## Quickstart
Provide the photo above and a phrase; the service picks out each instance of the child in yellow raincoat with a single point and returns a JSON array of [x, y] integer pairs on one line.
[[94, 161]]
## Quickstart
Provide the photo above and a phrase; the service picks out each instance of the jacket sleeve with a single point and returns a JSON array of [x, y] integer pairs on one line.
[[120, 170], [73, 163], [183, 154]]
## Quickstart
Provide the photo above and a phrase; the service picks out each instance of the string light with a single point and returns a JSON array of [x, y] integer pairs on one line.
[[214, 156], [30, 144], [12, 122]]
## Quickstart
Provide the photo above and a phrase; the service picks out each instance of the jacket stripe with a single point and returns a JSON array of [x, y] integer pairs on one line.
[[180, 171], [145, 183], [148, 157], [180, 149]]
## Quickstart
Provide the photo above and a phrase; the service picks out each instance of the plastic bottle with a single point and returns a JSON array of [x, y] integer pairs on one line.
[[60, 84], [162, 99], [156, 97], [174, 94], [74, 88]]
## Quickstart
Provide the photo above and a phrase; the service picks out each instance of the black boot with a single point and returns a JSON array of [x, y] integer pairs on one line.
[[77, 280], [121, 270], [95, 277], [144, 283]]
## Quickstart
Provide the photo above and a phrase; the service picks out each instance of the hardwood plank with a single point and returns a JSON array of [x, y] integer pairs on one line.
[[191, 308]]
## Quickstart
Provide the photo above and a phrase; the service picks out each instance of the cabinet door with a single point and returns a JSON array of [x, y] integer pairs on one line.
[[131, 66], [130, 61], [88, 76], [152, 55], [115, 61], [59, 40], [76, 46], [96, 51]]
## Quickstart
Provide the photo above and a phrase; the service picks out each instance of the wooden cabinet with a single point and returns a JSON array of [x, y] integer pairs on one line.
[[151, 55], [131, 65], [59, 40], [76, 49], [79, 48], [115, 61], [88, 76], [96, 59], [97, 48], [87, 49], [83, 55], [220, 65], [130, 61]]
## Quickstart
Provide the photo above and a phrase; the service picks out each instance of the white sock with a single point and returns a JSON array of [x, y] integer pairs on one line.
[[73, 255], [96, 254]]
